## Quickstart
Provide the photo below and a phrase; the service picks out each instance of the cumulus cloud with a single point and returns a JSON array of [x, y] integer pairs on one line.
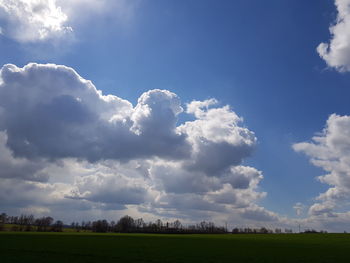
[[32, 20], [330, 150], [70, 118], [217, 139], [336, 53], [66, 145]]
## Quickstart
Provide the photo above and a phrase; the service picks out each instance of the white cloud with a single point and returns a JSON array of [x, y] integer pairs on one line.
[[217, 139], [32, 20], [336, 53], [330, 150], [155, 109]]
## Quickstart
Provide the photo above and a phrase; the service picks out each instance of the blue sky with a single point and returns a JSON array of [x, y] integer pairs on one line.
[[259, 57]]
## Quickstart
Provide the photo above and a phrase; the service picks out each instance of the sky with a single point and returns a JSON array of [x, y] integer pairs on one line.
[[225, 111]]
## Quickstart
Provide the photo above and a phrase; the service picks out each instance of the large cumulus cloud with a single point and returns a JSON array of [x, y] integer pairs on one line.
[[62, 138], [49, 111]]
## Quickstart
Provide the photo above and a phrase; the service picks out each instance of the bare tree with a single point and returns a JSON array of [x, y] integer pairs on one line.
[[43, 223], [125, 224], [177, 224], [57, 226]]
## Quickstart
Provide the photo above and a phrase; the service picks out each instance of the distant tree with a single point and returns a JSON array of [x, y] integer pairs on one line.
[[13, 220], [57, 226], [310, 231], [88, 225], [77, 227], [248, 230], [29, 221], [159, 224], [125, 224], [263, 230], [3, 218], [235, 231], [278, 231], [21, 222], [139, 224], [100, 226], [111, 226], [177, 224], [43, 223], [211, 228]]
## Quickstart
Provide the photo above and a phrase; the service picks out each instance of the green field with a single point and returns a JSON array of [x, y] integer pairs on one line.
[[85, 247]]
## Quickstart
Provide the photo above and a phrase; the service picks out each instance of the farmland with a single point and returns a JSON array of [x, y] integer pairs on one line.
[[90, 247]]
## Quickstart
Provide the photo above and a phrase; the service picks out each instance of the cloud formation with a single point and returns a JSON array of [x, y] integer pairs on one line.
[[62, 138], [336, 53], [65, 146], [330, 150]]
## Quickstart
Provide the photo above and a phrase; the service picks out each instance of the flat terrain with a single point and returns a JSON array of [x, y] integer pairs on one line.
[[88, 247]]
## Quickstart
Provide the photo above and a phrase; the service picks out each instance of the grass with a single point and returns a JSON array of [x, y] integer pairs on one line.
[[88, 247]]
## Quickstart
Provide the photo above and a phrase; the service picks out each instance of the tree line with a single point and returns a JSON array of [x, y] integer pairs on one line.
[[126, 224], [30, 223]]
